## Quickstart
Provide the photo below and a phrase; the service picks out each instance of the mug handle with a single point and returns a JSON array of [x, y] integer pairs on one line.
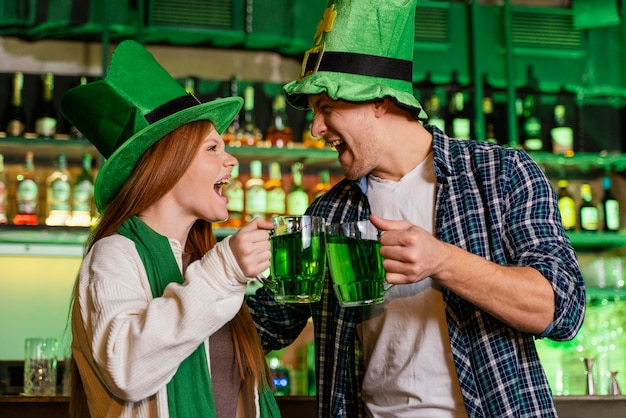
[[267, 282]]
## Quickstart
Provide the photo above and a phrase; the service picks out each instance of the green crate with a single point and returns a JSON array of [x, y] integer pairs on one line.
[[441, 46], [267, 24], [217, 22], [90, 18], [15, 15], [50, 15]]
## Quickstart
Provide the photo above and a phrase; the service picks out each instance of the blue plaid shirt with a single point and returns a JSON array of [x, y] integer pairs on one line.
[[491, 201]]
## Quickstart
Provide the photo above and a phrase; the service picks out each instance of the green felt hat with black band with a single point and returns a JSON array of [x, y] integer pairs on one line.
[[136, 104], [362, 50]]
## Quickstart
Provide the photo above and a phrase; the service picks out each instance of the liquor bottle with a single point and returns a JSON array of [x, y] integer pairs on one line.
[[58, 194], [433, 109], [235, 194], [275, 191], [308, 140], [490, 120], [74, 132], [254, 193], [230, 135], [562, 134], [322, 186], [279, 134], [251, 135], [3, 193], [588, 212], [459, 122], [82, 196], [531, 125], [16, 122], [26, 194], [610, 207], [45, 116], [567, 205], [297, 197]]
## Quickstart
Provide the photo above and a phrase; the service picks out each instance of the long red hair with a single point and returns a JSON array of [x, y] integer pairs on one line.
[[155, 174]]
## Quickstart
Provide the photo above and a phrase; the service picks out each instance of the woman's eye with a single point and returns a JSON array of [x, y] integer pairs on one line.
[[212, 148]]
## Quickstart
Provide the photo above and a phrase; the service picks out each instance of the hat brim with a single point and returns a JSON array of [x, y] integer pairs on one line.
[[354, 88], [118, 167]]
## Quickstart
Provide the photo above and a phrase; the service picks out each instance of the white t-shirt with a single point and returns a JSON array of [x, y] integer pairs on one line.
[[408, 359]]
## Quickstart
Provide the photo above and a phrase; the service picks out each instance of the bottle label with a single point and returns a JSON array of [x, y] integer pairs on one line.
[[461, 128], [276, 201], [256, 202], [235, 199], [562, 140], [27, 192], [3, 199], [439, 123], [83, 192], [611, 210], [46, 126], [15, 127], [532, 127], [589, 218], [297, 202], [61, 192], [567, 208], [532, 133]]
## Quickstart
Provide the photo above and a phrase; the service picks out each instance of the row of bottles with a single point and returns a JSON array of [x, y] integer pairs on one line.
[[589, 214], [562, 122], [43, 121], [457, 122], [259, 197], [244, 130], [546, 121], [68, 201]]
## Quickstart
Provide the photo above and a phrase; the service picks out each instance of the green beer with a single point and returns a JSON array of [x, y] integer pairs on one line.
[[298, 267], [356, 268]]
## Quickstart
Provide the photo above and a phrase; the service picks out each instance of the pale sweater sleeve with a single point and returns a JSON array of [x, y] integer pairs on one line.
[[137, 342]]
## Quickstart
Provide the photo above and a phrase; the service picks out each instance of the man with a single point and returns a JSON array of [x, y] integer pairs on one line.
[[473, 241]]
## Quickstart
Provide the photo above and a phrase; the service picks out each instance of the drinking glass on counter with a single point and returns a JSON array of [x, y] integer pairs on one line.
[[40, 366]]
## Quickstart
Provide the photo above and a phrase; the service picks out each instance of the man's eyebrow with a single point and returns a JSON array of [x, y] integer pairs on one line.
[[316, 101]]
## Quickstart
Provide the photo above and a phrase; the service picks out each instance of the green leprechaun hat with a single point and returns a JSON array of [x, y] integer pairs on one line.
[[363, 50], [136, 104]]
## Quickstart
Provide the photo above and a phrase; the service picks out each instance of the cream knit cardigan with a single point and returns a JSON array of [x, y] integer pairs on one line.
[[128, 345]]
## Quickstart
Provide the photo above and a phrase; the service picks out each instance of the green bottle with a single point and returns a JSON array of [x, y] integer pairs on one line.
[[588, 211]]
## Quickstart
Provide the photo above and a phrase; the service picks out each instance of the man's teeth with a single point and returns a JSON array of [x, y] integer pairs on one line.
[[335, 143]]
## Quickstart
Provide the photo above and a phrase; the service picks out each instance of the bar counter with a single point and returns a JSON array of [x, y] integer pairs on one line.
[[304, 406], [56, 406]]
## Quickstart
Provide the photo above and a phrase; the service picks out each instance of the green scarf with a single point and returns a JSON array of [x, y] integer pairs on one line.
[[189, 393]]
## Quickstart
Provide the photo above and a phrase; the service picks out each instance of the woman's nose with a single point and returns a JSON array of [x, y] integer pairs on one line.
[[231, 160]]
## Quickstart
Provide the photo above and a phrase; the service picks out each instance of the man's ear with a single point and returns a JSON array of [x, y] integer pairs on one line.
[[381, 106]]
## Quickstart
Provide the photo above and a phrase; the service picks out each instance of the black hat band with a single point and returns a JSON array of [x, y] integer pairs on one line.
[[352, 63], [171, 107]]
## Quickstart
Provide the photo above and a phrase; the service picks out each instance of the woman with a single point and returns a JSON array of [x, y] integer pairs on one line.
[[158, 321]]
